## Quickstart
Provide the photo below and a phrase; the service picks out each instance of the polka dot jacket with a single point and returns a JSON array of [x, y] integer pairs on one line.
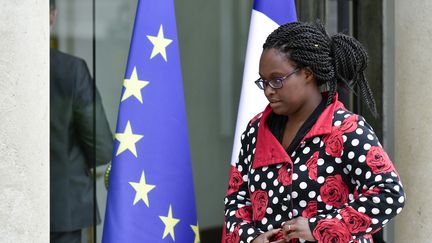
[[339, 177]]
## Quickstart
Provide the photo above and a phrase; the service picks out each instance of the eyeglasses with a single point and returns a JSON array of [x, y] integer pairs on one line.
[[276, 83]]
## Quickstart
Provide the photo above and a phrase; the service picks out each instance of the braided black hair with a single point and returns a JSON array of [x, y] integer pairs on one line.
[[339, 59]]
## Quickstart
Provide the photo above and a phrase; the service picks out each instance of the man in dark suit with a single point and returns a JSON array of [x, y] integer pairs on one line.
[[80, 139]]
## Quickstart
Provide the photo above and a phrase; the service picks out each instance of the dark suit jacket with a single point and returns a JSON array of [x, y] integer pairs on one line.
[[74, 143]]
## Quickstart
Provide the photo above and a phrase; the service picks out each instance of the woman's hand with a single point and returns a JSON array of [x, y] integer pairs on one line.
[[266, 237], [297, 228]]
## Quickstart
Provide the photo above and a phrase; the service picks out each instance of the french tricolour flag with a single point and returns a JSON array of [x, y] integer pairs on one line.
[[267, 15]]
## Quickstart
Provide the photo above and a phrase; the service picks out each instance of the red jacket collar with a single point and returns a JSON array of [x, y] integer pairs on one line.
[[268, 149]]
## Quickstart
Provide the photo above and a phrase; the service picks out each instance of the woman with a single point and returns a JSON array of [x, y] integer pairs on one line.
[[308, 169]]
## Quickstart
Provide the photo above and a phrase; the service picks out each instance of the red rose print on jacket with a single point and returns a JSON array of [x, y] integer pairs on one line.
[[259, 204], [312, 166], [331, 230], [334, 143], [235, 180], [355, 221], [334, 192], [378, 160], [285, 175], [311, 209], [366, 192], [349, 124], [244, 213], [233, 237]]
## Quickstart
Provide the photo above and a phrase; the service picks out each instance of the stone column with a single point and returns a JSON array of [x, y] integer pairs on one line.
[[413, 117], [24, 121]]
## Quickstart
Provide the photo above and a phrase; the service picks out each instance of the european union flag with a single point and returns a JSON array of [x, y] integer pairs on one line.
[[151, 196]]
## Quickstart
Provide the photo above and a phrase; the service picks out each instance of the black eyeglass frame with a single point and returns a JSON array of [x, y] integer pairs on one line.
[[276, 83]]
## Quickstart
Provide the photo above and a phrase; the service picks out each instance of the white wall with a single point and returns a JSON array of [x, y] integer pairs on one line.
[[24, 121], [413, 116]]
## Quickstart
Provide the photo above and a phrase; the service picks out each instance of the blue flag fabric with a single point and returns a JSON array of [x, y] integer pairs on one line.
[[280, 11], [151, 196]]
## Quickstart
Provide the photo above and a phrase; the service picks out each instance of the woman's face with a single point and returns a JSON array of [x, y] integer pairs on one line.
[[294, 93]]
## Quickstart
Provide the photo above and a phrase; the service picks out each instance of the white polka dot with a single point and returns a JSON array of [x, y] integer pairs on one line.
[[389, 200], [295, 212], [284, 208], [312, 194], [389, 180], [252, 188], [366, 146], [320, 180], [257, 177], [242, 193], [358, 171], [293, 154], [370, 137], [375, 221], [303, 168], [270, 193], [359, 131], [269, 210], [394, 174], [249, 239], [275, 200], [270, 227], [302, 203], [245, 178], [306, 150], [263, 185], [362, 158], [388, 211], [349, 167], [397, 188], [361, 123], [351, 155], [337, 123], [340, 112], [346, 171], [278, 217], [344, 138], [232, 213], [363, 199], [270, 174], [252, 130], [362, 209], [369, 230], [290, 215], [338, 160], [303, 185], [294, 176], [264, 168], [294, 194], [355, 142], [401, 199], [281, 189], [228, 224], [250, 231], [328, 207], [250, 156], [320, 162], [378, 178], [239, 197], [376, 199], [264, 220], [253, 140], [319, 198], [312, 220], [375, 210], [240, 168], [278, 166], [297, 160], [398, 210], [330, 169], [275, 182], [252, 171], [316, 140], [368, 175]]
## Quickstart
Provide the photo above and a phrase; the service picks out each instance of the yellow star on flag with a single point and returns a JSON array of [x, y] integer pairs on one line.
[[195, 229], [159, 44], [142, 189], [127, 140], [169, 222], [133, 86]]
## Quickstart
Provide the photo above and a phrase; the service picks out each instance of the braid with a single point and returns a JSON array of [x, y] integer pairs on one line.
[[333, 60]]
